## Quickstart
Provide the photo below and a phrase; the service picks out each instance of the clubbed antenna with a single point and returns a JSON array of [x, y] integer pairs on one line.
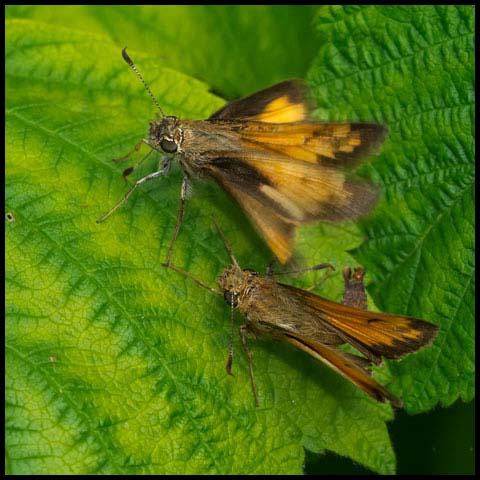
[[135, 69], [230, 349]]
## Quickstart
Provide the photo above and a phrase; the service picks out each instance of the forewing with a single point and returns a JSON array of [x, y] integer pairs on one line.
[[374, 334], [283, 312], [283, 170], [281, 103], [331, 144]]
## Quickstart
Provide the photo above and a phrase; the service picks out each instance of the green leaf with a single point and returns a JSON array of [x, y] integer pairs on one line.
[[114, 364], [236, 49], [413, 69]]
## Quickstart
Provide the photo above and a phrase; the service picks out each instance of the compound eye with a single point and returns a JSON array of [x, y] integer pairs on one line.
[[231, 298], [168, 146]]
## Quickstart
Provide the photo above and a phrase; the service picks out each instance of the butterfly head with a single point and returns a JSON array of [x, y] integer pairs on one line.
[[166, 134], [236, 284]]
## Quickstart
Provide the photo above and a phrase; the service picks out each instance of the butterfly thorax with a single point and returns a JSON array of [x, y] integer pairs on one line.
[[252, 294], [213, 135]]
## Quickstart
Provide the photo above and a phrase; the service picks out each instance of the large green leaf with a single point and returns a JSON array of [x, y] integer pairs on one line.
[[115, 365], [413, 68], [235, 49]]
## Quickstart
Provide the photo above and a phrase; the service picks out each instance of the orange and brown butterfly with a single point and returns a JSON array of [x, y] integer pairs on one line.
[[319, 326], [283, 169]]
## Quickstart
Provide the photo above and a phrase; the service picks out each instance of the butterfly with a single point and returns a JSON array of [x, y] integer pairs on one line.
[[316, 325], [283, 169]]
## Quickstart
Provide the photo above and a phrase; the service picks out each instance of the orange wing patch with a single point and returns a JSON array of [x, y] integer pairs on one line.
[[301, 189], [277, 232], [282, 110], [333, 143]]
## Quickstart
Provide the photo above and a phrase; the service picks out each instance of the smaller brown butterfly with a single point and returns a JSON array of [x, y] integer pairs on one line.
[[319, 326]]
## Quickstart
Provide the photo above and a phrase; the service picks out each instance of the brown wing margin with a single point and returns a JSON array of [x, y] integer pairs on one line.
[[346, 367], [284, 102]]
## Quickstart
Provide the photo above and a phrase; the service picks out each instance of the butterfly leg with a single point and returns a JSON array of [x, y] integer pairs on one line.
[[330, 268], [136, 148], [269, 272], [320, 266], [191, 277], [183, 194], [153, 175], [243, 330], [162, 165], [128, 171]]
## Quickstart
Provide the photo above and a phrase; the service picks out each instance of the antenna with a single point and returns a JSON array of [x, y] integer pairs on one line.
[[225, 242], [230, 348], [135, 69]]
